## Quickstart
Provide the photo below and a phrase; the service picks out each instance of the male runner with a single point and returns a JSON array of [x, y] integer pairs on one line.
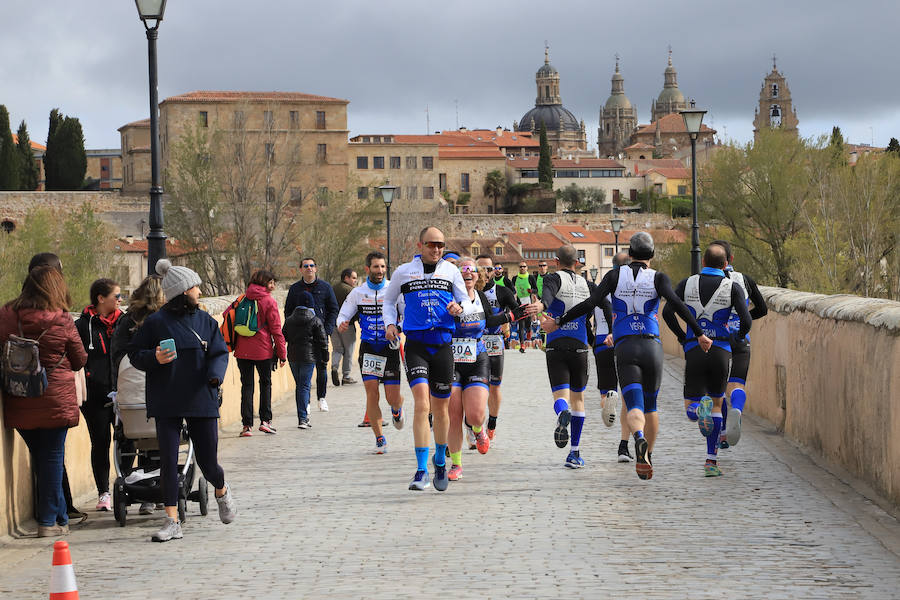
[[500, 279], [526, 288], [433, 292], [635, 290], [711, 297], [379, 362]]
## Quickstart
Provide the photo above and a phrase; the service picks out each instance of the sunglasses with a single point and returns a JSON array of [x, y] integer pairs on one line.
[[542, 265], [498, 268], [468, 269], [523, 266], [434, 245], [309, 266], [118, 296]]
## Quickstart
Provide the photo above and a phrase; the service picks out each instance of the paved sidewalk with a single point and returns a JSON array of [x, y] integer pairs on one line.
[[322, 518]]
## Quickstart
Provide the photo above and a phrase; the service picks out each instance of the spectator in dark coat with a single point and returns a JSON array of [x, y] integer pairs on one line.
[[307, 346]]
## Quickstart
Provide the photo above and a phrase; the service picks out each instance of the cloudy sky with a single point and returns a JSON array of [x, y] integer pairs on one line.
[[391, 59]]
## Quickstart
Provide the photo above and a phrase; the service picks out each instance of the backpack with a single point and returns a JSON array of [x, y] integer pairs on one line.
[[20, 366], [227, 326], [246, 322]]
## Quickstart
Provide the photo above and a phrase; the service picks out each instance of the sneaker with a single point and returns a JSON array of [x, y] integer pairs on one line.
[[733, 426], [455, 473], [482, 442], [245, 432], [419, 481], [642, 465], [171, 530], [399, 418], [490, 433], [561, 433], [440, 480], [624, 455], [304, 424], [104, 503], [723, 442], [704, 416], [266, 427], [522, 349], [574, 460], [335, 378], [146, 508], [365, 422], [608, 405], [348, 381], [52, 530], [227, 508], [712, 470], [323, 406], [470, 438], [380, 446]]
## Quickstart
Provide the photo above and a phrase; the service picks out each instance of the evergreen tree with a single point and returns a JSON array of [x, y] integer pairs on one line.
[[65, 162], [30, 173], [545, 166], [893, 146], [9, 157], [837, 138]]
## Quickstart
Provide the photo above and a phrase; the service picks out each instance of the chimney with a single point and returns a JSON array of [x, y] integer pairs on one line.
[[129, 239], [577, 159], [499, 131]]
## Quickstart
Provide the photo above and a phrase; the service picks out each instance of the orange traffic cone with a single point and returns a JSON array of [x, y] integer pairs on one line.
[[62, 574]]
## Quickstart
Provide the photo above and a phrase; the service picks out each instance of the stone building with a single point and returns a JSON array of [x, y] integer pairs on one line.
[[670, 100], [775, 110], [135, 146], [411, 166], [668, 136], [565, 134], [618, 119]]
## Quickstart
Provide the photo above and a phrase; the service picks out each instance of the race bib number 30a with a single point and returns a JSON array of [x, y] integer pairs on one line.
[[373, 364], [494, 344], [464, 350]]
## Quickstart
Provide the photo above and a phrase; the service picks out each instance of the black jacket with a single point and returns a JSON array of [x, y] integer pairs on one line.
[[118, 347], [306, 339], [97, 342], [326, 304]]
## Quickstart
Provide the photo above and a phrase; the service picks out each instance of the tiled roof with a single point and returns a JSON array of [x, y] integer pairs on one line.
[[34, 144], [141, 123], [567, 163], [445, 152], [173, 248], [671, 123], [231, 96], [575, 234], [640, 146], [657, 163], [673, 173], [442, 139], [534, 240], [503, 138]]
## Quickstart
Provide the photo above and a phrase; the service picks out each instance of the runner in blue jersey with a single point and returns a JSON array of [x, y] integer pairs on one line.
[[379, 362], [433, 293], [635, 290], [711, 297]]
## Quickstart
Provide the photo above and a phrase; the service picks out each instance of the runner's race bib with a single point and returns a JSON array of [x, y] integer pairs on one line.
[[464, 350], [373, 364], [494, 344]]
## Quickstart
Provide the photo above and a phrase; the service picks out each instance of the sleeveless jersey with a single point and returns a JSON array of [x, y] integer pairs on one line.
[[572, 290], [539, 281], [601, 328], [470, 324], [635, 304], [491, 295], [713, 316], [734, 321]]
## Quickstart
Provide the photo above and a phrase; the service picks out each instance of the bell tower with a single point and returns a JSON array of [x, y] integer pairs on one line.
[[775, 110]]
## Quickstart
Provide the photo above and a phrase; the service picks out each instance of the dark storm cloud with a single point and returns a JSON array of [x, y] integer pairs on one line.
[[392, 59]]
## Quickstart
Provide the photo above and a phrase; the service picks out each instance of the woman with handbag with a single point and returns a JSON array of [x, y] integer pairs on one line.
[[183, 386], [41, 313]]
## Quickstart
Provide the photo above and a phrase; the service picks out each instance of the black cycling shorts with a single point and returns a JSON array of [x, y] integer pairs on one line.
[[496, 369], [705, 373], [474, 373], [639, 364], [740, 362], [430, 364], [605, 359], [391, 368], [567, 368]]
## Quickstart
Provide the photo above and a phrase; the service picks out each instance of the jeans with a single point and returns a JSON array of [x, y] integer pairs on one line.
[[302, 380], [342, 347], [48, 451], [204, 432], [264, 369]]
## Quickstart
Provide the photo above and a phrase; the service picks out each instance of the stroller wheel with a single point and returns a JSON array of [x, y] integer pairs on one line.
[[120, 502], [182, 507], [203, 495]]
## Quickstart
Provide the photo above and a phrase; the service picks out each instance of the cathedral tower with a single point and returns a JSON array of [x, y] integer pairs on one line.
[[670, 99], [775, 108], [618, 118]]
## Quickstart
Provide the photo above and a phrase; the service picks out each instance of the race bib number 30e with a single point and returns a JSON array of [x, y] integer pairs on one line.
[[373, 364], [464, 350], [494, 344]]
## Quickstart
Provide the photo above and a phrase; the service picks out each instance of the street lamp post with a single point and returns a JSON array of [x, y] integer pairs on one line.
[[387, 196], [593, 270], [151, 13], [616, 225], [693, 118]]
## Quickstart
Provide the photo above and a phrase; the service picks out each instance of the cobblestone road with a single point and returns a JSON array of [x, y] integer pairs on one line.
[[320, 517]]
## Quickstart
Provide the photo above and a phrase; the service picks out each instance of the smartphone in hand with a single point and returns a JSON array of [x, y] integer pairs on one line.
[[168, 344]]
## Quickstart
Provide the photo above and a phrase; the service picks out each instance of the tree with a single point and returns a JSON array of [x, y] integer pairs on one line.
[[893, 146], [30, 173], [9, 156], [581, 200], [545, 165], [495, 187], [65, 162]]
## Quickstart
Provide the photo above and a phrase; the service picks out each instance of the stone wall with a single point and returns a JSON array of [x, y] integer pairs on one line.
[[123, 213], [493, 225]]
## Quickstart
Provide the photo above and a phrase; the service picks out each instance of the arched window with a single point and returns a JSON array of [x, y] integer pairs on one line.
[[547, 91], [774, 90], [775, 116]]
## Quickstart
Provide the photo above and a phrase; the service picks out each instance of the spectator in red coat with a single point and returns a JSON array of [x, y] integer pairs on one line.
[[41, 310], [265, 351]]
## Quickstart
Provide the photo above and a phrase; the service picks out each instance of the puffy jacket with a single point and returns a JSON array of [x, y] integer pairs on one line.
[[306, 337], [259, 346], [58, 407], [96, 335], [326, 304]]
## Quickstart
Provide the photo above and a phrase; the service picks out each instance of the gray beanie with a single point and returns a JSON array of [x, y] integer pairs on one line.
[[176, 280]]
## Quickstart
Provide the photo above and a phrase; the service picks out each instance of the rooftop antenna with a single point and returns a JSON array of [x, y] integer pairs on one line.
[[427, 121], [456, 102]]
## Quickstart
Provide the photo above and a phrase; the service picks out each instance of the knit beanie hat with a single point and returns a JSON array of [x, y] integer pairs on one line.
[[176, 280], [306, 299]]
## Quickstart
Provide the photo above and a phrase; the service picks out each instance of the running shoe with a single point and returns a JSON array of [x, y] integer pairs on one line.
[[365, 422], [624, 454], [266, 427], [704, 416], [419, 481], [245, 432], [482, 442], [227, 507], [399, 418], [348, 381], [723, 442], [470, 437], [608, 404], [380, 446], [171, 530], [335, 378], [490, 433], [574, 460], [103, 503], [440, 479], [733, 426], [304, 424], [561, 433], [323, 406], [712, 470], [642, 465], [146, 508], [455, 473]]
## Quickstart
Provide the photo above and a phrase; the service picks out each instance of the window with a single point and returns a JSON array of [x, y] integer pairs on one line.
[[607, 252], [411, 162], [498, 250], [238, 119], [321, 152], [362, 162], [270, 194], [775, 116], [395, 162], [577, 234], [204, 118], [377, 162], [412, 193], [442, 182], [529, 174], [320, 119], [428, 192], [295, 119], [296, 196], [270, 151], [774, 90], [682, 190], [428, 163], [476, 249], [362, 193], [268, 119], [464, 182]]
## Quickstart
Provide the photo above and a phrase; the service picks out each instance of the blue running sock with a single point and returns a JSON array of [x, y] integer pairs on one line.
[[577, 424], [712, 442], [440, 454], [738, 398], [422, 458], [560, 405], [692, 411]]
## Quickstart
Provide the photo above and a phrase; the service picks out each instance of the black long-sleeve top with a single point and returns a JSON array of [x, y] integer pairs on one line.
[[708, 286], [759, 309]]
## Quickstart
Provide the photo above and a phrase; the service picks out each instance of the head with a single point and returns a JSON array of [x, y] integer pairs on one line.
[[308, 269], [451, 257], [498, 270], [44, 289], [45, 259], [146, 299], [715, 257], [105, 296], [473, 277], [485, 265], [542, 267], [641, 246], [376, 267], [349, 277], [523, 268], [620, 259], [177, 281], [306, 299], [727, 245], [264, 278], [567, 256], [431, 245]]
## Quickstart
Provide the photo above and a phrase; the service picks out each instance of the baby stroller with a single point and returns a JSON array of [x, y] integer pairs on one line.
[[135, 437]]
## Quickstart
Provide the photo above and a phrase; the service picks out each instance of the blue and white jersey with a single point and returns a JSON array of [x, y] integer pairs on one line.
[[572, 290], [734, 321], [601, 328], [425, 296], [471, 324], [491, 295], [635, 304], [366, 302], [713, 316]]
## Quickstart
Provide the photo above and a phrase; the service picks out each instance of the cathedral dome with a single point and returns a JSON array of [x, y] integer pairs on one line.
[[551, 116], [546, 70], [617, 98], [671, 94]]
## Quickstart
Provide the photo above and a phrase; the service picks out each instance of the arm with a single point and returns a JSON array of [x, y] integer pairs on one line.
[[664, 289], [606, 306], [551, 288], [739, 302], [507, 299], [492, 320], [216, 354], [391, 294], [348, 308], [756, 298], [595, 299], [142, 348], [273, 319], [118, 347], [331, 309], [320, 341], [290, 303], [669, 315], [75, 351]]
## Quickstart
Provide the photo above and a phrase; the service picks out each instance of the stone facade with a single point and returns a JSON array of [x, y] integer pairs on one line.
[[466, 172], [493, 225], [135, 157], [776, 109], [412, 167], [618, 119], [668, 136], [670, 100]]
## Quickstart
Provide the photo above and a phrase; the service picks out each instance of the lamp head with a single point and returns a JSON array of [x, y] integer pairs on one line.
[[693, 119], [387, 194], [616, 224], [151, 12]]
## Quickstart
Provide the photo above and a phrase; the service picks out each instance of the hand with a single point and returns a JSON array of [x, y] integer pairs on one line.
[[548, 324], [390, 333], [343, 327], [112, 396], [164, 357], [609, 340], [705, 343], [518, 313], [534, 308], [454, 308], [281, 363]]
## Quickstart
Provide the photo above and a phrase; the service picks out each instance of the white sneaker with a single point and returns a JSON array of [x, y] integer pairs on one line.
[[733, 426], [171, 530], [146, 508], [323, 406], [608, 404]]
